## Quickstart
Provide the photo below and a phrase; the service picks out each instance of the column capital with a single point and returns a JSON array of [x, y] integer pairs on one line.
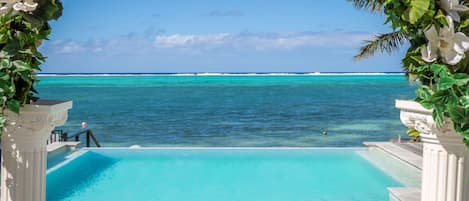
[[416, 116], [34, 122]]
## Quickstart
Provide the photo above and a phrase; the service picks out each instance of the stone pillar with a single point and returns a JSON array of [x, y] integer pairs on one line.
[[24, 154], [445, 174]]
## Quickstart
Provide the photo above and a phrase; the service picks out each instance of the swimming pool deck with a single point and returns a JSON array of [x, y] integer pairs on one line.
[[59, 145], [410, 153]]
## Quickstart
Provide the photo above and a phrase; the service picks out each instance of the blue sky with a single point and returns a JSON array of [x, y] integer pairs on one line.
[[97, 36]]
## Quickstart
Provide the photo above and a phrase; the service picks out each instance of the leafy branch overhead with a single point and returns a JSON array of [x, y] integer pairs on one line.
[[436, 31], [23, 27]]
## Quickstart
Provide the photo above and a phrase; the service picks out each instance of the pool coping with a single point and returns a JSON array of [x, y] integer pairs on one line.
[[409, 157], [224, 148], [60, 145], [398, 152], [82, 151]]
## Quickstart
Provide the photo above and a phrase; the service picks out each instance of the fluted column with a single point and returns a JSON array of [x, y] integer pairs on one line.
[[445, 174], [24, 155]]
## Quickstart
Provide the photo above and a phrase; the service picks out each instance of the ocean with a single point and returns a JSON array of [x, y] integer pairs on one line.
[[236, 110]]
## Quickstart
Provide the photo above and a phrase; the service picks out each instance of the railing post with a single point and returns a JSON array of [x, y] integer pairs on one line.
[[65, 137], [88, 138], [94, 139]]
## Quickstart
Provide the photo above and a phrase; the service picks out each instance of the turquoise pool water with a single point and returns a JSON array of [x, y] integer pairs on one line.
[[58, 156], [218, 174]]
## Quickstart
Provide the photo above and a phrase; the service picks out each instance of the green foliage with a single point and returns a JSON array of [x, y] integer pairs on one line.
[[414, 134], [449, 97], [416, 9], [443, 88], [21, 33], [371, 5]]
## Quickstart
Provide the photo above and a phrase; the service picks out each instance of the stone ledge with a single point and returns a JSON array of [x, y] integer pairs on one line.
[[59, 145], [404, 154], [404, 194]]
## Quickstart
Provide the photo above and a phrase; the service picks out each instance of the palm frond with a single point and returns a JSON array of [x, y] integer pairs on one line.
[[387, 42], [375, 6]]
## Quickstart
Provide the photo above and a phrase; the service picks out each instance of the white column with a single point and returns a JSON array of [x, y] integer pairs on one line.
[[24, 155], [445, 174]]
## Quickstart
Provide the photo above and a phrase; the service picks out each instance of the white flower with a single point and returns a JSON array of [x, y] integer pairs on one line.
[[25, 7], [18, 5], [31, 5], [451, 46], [452, 7]]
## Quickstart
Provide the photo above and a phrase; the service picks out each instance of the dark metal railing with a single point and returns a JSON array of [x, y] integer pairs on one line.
[[60, 136], [89, 136], [57, 136]]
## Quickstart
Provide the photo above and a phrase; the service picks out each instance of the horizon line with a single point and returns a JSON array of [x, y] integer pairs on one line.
[[226, 74]]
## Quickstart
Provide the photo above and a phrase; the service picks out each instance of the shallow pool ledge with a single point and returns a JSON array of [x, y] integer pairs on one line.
[[404, 194]]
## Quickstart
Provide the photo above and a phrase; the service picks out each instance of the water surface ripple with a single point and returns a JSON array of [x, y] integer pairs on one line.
[[232, 110]]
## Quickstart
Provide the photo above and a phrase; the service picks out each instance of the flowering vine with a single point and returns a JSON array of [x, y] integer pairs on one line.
[[23, 26], [437, 33]]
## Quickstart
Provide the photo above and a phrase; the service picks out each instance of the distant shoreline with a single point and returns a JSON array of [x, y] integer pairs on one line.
[[227, 74]]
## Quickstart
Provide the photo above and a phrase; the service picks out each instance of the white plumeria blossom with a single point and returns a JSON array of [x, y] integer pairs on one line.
[[18, 5], [452, 7], [450, 46], [25, 7]]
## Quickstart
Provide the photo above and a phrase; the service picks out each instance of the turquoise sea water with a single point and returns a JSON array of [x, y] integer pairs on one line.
[[232, 110], [228, 175]]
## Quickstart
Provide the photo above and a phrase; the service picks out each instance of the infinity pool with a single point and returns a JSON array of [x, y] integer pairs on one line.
[[218, 175]]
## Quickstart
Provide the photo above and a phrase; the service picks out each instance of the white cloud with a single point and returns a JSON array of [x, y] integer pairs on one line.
[[195, 44], [66, 47], [262, 41], [178, 40]]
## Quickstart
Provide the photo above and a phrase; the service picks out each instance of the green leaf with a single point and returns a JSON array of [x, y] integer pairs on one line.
[[464, 100], [464, 24], [412, 132], [439, 69], [4, 77], [35, 22], [26, 51], [3, 38], [2, 121], [461, 79], [456, 113], [465, 134], [424, 93], [14, 106], [438, 115], [21, 66], [5, 64], [446, 83], [416, 10]]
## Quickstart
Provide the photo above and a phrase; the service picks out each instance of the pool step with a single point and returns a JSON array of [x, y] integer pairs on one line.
[[404, 194], [411, 153], [408, 152]]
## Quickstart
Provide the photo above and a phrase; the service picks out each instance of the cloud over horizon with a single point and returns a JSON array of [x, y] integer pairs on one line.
[[190, 43]]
